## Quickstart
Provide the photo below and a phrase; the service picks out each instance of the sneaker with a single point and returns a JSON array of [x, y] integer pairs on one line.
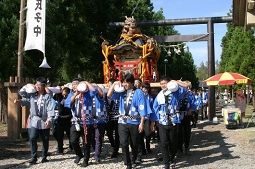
[[133, 165], [138, 160], [44, 160], [97, 159], [77, 159], [172, 164], [85, 163], [166, 167], [179, 154], [69, 149], [114, 154], [32, 161]]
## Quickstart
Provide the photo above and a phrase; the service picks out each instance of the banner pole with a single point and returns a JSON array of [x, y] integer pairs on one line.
[[21, 42]]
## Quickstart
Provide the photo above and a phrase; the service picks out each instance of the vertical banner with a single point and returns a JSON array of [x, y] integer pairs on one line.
[[35, 24]]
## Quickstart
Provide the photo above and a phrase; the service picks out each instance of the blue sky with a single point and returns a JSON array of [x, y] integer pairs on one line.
[[178, 9]]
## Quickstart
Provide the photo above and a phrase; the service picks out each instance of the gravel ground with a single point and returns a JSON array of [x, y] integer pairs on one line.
[[212, 146]]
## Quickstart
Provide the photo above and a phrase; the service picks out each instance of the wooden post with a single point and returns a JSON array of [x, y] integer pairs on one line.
[[25, 110], [13, 114], [21, 40], [24, 116], [13, 109], [211, 70]]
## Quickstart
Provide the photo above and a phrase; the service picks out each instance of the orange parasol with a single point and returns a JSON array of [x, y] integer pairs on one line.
[[227, 78]]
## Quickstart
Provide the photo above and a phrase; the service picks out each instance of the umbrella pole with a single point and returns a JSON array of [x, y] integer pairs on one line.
[[232, 92], [227, 95]]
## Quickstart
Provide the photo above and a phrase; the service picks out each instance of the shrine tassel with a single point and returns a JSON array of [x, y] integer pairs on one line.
[[84, 120]]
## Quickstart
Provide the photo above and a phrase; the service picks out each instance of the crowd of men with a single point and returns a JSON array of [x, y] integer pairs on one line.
[[126, 112]]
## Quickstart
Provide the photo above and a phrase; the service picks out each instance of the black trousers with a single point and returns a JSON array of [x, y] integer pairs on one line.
[[200, 114], [54, 129], [194, 117], [147, 135], [129, 132], [184, 131], [112, 126], [75, 138], [155, 135], [169, 141], [63, 126]]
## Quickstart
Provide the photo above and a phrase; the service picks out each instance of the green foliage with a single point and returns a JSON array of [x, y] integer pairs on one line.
[[182, 67], [238, 53], [73, 44], [9, 25], [202, 71]]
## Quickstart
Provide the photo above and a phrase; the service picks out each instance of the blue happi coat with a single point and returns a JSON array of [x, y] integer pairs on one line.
[[138, 106], [159, 107]]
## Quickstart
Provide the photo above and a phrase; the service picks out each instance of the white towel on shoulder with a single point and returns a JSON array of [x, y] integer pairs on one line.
[[161, 97]]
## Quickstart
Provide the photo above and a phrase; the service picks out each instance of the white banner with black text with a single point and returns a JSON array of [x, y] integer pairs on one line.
[[35, 24]]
